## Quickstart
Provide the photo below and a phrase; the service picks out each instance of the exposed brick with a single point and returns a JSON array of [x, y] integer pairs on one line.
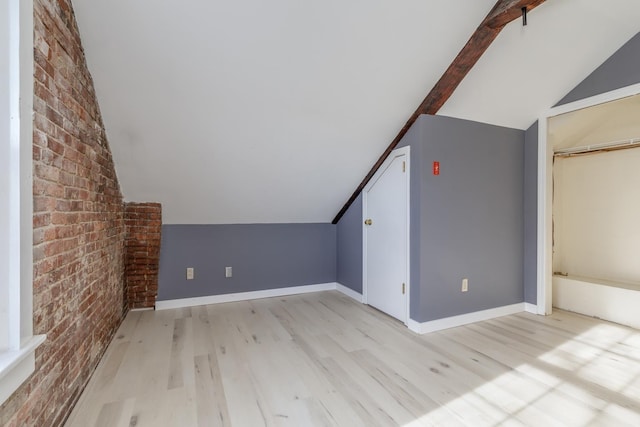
[[79, 231], [143, 228]]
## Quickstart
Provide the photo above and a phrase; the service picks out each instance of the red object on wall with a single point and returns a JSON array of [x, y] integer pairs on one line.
[[436, 168]]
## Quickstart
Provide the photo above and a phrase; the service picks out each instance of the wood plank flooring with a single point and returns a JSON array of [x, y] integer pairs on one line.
[[324, 360]]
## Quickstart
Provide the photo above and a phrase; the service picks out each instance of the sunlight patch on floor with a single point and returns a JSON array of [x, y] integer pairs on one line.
[[568, 379]]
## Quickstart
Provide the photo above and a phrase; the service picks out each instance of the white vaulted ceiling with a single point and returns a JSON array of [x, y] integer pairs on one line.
[[527, 70], [256, 112]]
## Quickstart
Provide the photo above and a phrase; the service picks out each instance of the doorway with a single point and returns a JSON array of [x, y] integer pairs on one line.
[[547, 144], [386, 237]]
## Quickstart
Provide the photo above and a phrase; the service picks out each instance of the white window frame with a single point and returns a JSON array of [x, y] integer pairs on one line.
[[17, 342]]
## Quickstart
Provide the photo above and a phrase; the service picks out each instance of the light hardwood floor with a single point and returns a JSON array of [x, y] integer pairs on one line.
[[324, 360]]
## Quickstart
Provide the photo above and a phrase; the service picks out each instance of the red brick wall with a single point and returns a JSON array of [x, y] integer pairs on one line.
[[143, 225], [78, 226]]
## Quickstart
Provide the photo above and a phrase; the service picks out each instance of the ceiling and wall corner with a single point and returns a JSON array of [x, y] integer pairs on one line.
[[245, 112], [529, 69], [618, 71], [253, 112]]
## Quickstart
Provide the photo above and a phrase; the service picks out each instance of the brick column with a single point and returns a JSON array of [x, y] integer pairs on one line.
[[143, 222]]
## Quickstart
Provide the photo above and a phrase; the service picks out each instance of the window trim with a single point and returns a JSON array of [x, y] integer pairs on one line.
[[17, 362]]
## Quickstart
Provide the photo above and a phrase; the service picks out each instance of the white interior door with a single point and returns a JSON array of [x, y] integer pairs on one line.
[[386, 237]]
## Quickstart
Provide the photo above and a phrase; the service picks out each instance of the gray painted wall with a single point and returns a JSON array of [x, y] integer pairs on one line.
[[471, 217], [620, 70], [467, 222], [263, 256], [531, 214], [350, 230], [349, 252], [464, 223]]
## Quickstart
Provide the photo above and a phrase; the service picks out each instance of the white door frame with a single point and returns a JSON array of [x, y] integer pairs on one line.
[[395, 153], [545, 190]]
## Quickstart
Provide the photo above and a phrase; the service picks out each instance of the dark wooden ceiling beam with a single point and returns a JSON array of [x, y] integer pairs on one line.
[[503, 12]]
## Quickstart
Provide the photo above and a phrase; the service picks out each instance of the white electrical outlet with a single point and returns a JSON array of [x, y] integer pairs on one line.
[[228, 272], [190, 273], [465, 285]]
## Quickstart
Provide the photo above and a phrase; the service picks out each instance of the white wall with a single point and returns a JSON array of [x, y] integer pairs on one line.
[[264, 111], [596, 210]]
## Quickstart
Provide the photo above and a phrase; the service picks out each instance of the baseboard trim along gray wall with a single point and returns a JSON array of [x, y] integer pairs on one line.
[[245, 296], [465, 319], [262, 257]]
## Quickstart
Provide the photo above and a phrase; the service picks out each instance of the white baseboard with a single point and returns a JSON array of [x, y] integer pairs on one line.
[[464, 319], [349, 292], [530, 308], [417, 327], [243, 296]]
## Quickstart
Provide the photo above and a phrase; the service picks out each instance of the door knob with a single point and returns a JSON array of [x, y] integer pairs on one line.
[[368, 221]]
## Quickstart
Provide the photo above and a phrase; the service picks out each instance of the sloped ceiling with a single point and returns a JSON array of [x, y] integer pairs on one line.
[[259, 112], [527, 70]]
